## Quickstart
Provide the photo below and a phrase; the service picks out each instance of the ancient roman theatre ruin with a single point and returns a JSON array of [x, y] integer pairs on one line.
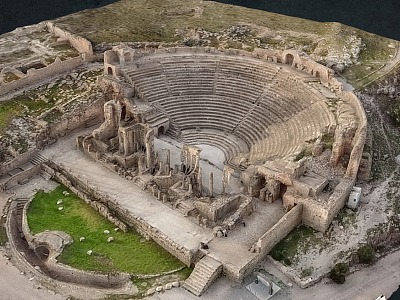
[[238, 148]]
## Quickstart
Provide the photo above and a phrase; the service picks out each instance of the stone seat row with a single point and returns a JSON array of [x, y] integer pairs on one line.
[[288, 137], [231, 146]]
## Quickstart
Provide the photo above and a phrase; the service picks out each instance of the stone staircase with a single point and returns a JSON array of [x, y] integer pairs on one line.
[[187, 209], [38, 159], [157, 118], [204, 274], [19, 207]]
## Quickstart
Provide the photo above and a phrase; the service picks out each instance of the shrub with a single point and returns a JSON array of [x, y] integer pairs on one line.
[[366, 254], [287, 261], [339, 272]]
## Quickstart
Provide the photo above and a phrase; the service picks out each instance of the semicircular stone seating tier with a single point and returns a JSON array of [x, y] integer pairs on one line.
[[245, 106]]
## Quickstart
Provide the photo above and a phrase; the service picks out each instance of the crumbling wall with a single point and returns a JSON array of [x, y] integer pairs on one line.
[[17, 161], [79, 43], [20, 177], [281, 229], [338, 199], [75, 119], [35, 75], [165, 182], [220, 208]]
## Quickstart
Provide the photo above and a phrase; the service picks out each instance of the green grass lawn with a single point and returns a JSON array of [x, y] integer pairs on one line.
[[129, 252], [300, 239], [3, 235]]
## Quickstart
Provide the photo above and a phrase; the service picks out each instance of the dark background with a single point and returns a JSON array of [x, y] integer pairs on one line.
[[378, 16], [17, 13]]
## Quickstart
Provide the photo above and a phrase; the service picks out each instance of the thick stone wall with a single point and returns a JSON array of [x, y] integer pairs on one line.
[[266, 242], [35, 75], [338, 200], [315, 213], [78, 118], [16, 179], [284, 226], [79, 43], [360, 136], [17, 161]]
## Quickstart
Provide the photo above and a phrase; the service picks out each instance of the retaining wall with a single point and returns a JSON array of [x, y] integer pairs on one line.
[[66, 273], [266, 242], [14, 180], [360, 136], [17, 161]]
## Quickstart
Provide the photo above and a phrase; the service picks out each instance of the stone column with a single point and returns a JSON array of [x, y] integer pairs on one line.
[[168, 160], [125, 142], [211, 184], [200, 181]]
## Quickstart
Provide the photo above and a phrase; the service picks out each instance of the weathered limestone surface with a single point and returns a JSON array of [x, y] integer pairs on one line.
[[271, 113]]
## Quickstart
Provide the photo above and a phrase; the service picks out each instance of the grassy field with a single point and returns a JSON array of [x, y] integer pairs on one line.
[[300, 239], [129, 252]]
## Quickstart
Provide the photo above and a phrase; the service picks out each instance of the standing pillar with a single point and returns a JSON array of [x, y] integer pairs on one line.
[[211, 184], [168, 160], [126, 142], [200, 181]]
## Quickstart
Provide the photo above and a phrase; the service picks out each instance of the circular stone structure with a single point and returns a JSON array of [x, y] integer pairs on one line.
[[252, 109], [291, 141]]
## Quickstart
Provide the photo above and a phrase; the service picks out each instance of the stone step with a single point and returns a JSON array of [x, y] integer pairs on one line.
[[38, 159], [203, 275]]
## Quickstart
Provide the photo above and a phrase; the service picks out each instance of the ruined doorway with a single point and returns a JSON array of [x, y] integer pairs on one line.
[[282, 190], [289, 58], [123, 113], [109, 71], [160, 130]]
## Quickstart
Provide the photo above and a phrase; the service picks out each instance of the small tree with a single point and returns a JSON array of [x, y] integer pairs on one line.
[[339, 272], [366, 254]]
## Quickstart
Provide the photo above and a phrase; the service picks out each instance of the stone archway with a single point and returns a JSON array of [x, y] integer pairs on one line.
[[289, 58], [109, 71]]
